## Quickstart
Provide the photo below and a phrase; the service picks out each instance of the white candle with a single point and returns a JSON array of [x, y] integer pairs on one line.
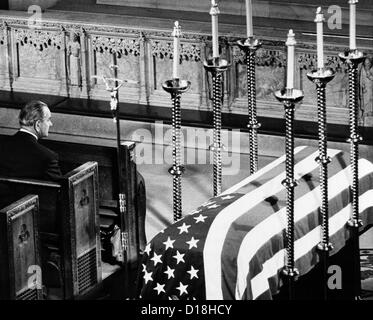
[[249, 18], [353, 23], [320, 42], [290, 43], [176, 34], [214, 12]]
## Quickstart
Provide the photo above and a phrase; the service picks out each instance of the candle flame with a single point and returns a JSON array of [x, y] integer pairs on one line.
[[319, 15], [214, 10], [291, 38], [177, 30]]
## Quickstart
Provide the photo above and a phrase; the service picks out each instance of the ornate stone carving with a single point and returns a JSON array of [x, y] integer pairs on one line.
[[188, 51], [335, 63], [162, 49], [120, 46], [264, 57], [191, 52], [39, 39], [142, 37], [3, 28], [308, 61]]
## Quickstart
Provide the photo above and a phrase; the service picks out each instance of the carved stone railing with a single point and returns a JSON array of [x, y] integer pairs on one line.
[[60, 58]]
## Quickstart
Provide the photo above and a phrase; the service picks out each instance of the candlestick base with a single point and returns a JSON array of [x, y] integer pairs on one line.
[[323, 159], [289, 183], [249, 44], [321, 76], [215, 65], [254, 125], [289, 95], [175, 86], [176, 170], [325, 247], [291, 273], [217, 147], [354, 223]]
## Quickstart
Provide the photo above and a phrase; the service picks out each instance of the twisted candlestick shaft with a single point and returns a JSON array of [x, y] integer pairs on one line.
[[290, 185], [253, 123], [354, 221], [354, 140], [217, 145], [176, 156], [323, 160]]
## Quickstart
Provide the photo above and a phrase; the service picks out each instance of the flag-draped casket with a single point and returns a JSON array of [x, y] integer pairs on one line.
[[232, 247]]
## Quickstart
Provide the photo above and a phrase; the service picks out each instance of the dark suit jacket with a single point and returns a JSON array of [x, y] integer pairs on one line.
[[22, 156]]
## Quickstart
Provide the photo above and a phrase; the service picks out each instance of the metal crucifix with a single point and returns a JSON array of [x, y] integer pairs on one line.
[[112, 85]]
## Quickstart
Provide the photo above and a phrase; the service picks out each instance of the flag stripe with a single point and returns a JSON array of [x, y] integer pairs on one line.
[[261, 172]]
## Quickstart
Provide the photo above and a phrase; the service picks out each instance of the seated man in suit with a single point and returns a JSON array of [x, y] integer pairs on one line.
[[21, 154]]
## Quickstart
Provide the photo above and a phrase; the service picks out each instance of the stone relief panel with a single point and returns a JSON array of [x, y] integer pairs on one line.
[[47, 64], [128, 68], [102, 64], [337, 89], [3, 60], [103, 61], [190, 71], [269, 67], [190, 66], [123, 52], [39, 54], [268, 80]]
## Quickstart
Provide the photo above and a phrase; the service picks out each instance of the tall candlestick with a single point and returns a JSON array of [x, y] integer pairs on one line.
[[249, 18], [320, 42], [214, 12], [176, 34], [353, 23], [290, 43]]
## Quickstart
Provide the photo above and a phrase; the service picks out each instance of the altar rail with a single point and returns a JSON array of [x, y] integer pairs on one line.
[[59, 54]]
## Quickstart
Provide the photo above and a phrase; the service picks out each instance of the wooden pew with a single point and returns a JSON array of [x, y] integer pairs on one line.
[[69, 228], [20, 272], [72, 154], [111, 180]]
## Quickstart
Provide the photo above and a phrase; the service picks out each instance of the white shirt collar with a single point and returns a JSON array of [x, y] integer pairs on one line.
[[29, 132]]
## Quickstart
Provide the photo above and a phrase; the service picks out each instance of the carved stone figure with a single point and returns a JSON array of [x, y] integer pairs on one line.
[[366, 87], [74, 59]]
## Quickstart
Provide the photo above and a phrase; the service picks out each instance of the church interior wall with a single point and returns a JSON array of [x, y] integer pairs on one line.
[[60, 54]]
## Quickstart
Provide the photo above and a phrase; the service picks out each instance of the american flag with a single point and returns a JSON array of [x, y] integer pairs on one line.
[[232, 247]]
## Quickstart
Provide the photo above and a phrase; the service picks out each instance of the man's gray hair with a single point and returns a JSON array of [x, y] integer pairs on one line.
[[32, 112]]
